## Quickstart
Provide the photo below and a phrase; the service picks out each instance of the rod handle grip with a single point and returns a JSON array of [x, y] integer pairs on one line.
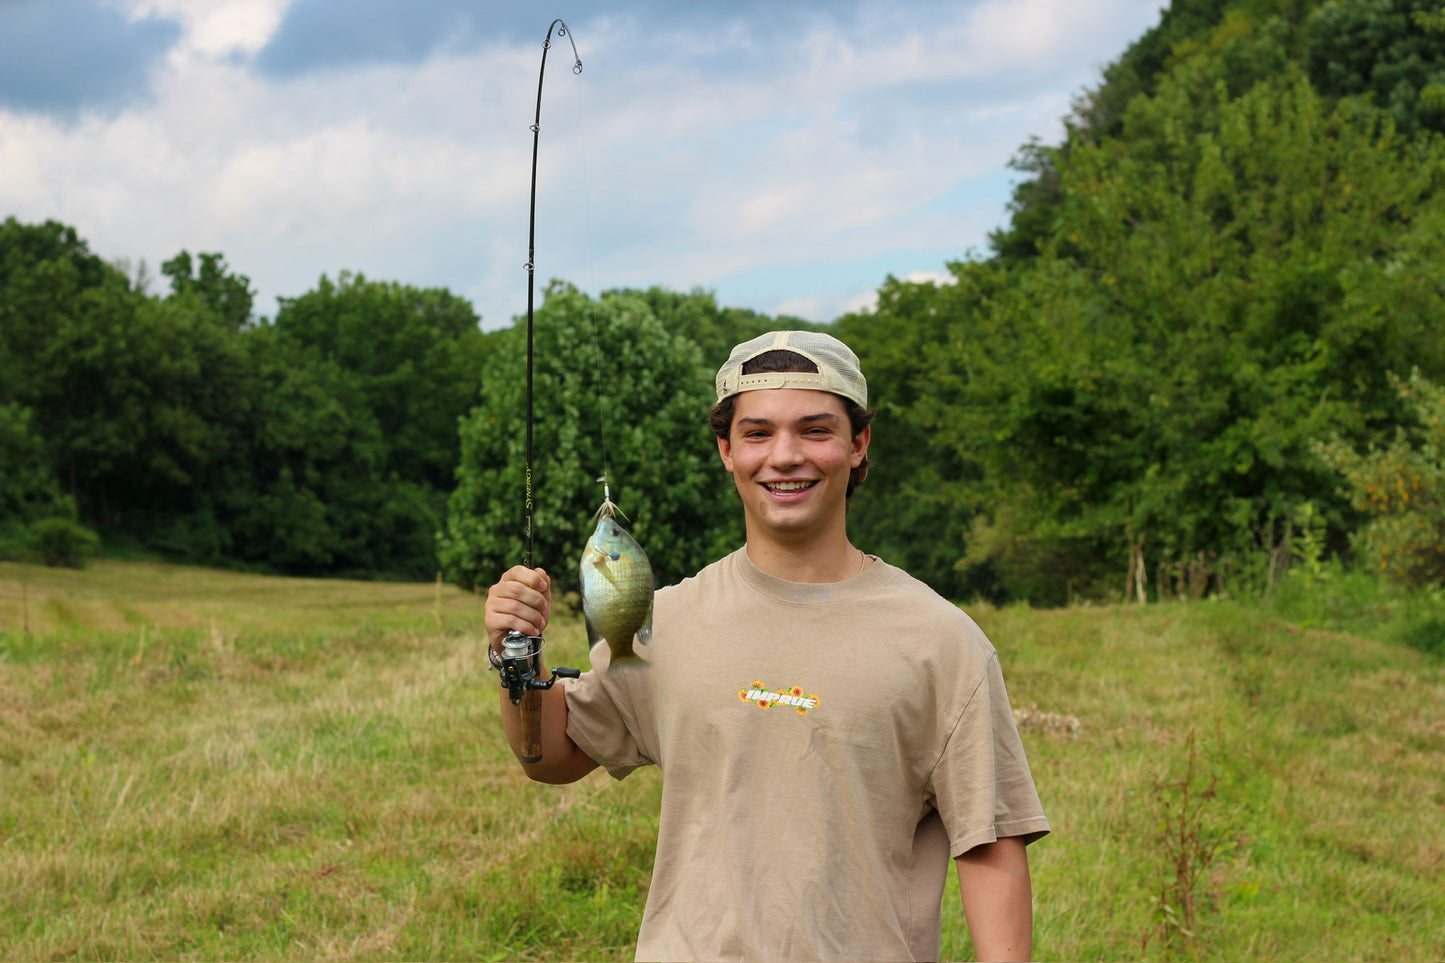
[[531, 708]]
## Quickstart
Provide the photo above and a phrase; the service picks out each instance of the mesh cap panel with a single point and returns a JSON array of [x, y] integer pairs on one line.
[[837, 372]]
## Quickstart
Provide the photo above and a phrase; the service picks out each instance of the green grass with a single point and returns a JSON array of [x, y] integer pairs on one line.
[[1329, 803], [202, 765]]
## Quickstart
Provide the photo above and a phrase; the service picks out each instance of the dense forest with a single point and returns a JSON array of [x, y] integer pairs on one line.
[[1205, 346]]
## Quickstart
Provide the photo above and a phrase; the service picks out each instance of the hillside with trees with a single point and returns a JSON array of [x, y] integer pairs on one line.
[[1215, 280], [1205, 346]]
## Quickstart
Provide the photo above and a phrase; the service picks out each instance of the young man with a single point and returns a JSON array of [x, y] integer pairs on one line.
[[830, 730]]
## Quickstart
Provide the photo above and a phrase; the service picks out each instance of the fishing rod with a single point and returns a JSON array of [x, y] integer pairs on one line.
[[536, 128], [521, 660]]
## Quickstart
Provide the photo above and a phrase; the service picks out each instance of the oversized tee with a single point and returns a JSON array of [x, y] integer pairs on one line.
[[825, 749]]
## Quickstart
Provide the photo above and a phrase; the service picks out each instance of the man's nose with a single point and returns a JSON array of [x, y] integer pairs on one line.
[[786, 450]]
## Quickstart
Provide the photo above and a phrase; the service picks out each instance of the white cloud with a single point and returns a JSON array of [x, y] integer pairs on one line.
[[864, 301], [659, 165], [811, 306], [1035, 33], [218, 27]]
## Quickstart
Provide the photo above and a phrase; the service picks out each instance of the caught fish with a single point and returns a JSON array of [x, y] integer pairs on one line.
[[616, 587]]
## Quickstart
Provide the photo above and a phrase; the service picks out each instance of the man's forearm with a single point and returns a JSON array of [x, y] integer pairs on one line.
[[998, 899], [562, 760]]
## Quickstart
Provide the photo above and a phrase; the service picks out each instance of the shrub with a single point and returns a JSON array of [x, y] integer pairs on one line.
[[1427, 635], [1401, 485], [62, 542]]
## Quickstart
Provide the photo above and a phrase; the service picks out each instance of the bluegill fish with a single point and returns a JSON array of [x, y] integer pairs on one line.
[[616, 587]]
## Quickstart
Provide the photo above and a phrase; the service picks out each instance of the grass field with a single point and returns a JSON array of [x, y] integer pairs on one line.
[[202, 765]]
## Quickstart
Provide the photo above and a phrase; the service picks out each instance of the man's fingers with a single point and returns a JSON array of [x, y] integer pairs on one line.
[[523, 596], [527, 617], [520, 601]]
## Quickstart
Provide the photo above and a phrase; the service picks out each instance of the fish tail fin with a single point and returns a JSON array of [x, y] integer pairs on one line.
[[624, 655], [625, 660]]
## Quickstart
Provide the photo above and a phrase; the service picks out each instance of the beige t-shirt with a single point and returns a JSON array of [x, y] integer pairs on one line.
[[825, 749]]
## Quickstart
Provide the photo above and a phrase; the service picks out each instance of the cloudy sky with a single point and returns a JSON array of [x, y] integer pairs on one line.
[[787, 155]]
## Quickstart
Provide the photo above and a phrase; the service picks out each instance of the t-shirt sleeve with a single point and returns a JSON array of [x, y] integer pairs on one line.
[[602, 714], [981, 785]]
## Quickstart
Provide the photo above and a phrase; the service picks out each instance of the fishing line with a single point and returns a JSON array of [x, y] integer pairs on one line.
[[582, 138]]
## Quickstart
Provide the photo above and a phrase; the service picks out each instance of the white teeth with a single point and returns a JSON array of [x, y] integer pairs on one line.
[[795, 486]]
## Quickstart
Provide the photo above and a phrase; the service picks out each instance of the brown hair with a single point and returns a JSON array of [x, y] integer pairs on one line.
[[720, 418]]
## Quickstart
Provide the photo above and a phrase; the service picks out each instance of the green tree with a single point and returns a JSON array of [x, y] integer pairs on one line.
[[415, 355], [1035, 204], [338, 432], [1225, 29], [27, 489], [226, 294], [1390, 50], [43, 268], [126, 391], [307, 491], [697, 316], [615, 391], [1238, 42], [919, 500], [31, 503]]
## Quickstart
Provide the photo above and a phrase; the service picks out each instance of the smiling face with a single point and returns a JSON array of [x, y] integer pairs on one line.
[[790, 451]]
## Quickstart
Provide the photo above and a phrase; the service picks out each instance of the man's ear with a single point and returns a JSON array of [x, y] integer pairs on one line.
[[860, 445], [725, 451]]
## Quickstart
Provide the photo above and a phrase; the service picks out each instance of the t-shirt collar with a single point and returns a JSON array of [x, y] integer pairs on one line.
[[811, 593]]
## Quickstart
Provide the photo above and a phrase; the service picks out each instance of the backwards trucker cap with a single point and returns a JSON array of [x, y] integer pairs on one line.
[[837, 372]]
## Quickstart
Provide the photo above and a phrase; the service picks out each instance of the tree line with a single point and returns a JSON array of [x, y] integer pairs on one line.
[[321, 443], [1205, 345], [327, 441]]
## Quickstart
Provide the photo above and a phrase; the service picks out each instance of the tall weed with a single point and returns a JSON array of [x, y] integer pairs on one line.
[[1193, 828]]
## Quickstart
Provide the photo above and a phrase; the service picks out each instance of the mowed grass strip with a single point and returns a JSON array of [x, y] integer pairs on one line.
[[120, 595], [316, 771]]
